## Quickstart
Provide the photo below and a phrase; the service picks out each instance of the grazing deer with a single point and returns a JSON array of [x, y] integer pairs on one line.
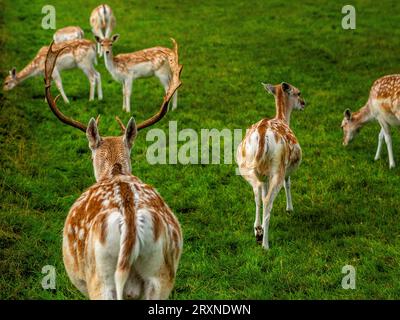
[[103, 22], [120, 239], [269, 153], [79, 53], [126, 67], [68, 33], [383, 105]]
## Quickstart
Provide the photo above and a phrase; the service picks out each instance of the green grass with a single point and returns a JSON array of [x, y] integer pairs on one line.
[[346, 205]]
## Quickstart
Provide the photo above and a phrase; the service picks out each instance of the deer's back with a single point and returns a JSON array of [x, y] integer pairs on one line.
[[269, 146], [384, 99], [100, 212]]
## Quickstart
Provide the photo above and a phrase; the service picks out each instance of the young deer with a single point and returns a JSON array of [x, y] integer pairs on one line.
[[120, 238], [68, 33], [383, 105], [79, 53], [126, 67], [103, 22], [269, 153]]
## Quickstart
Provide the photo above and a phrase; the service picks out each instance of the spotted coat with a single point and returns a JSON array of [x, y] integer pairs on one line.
[[383, 105], [95, 227]]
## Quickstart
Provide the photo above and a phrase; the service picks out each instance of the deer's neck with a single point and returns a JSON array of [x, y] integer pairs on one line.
[[31, 70], [115, 170], [110, 64], [362, 116], [283, 110]]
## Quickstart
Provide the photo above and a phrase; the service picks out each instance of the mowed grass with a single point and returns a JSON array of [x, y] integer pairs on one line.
[[346, 204]]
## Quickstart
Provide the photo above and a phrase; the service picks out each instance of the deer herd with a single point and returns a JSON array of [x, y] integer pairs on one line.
[[120, 238]]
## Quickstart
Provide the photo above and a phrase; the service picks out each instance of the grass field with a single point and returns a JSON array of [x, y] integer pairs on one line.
[[346, 205]]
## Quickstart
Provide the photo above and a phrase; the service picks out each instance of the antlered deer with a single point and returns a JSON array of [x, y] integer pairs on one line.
[[383, 105], [103, 22], [120, 239], [269, 153], [68, 33], [127, 67], [79, 53]]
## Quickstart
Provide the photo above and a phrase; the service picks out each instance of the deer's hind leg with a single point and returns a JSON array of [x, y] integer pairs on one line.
[[258, 232], [289, 204], [57, 80], [275, 184], [164, 75]]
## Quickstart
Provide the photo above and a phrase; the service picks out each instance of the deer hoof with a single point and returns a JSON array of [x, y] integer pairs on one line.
[[259, 234]]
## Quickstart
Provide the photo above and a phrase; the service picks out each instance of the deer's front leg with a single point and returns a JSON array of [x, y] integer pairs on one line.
[[123, 95], [388, 140], [99, 89], [380, 141], [289, 204], [128, 92]]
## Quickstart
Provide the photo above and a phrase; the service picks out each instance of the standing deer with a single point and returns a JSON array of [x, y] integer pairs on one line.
[[126, 67], [79, 53], [383, 105], [120, 238], [103, 22], [68, 33], [269, 153]]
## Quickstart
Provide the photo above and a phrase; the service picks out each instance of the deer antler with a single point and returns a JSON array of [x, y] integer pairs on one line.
[[174, 84], [121, 125], [50, 63]]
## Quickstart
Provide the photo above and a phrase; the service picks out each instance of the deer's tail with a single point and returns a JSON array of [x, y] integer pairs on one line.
[[129, 243]]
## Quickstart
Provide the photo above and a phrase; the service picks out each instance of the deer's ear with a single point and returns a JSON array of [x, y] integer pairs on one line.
[[347, 114], [286, 87], [115, 37], [130, 133], [269, 88], [13, 73], [92, 133], [98, 39]]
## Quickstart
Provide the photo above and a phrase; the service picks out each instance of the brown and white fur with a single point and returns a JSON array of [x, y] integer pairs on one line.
[[103, 22], [269, 153], [126, 67], [80, 53], [383, 105], [121, 240], [68, 33]]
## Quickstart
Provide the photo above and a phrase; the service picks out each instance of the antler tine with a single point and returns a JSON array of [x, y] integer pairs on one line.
[[121, 125], [50, 63], [98, 120], [174, 84]]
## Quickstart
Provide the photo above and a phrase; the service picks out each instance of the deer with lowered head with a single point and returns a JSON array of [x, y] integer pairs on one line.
[[383, 105], [79, 53], [103, 22], [126, 67], [68, 33], [269, 154], [120, 239]]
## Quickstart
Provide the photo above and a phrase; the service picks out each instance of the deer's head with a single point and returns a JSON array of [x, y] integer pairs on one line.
[[350, 127], [106, 43], [111, 155], [11, 81], [290, 94]]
